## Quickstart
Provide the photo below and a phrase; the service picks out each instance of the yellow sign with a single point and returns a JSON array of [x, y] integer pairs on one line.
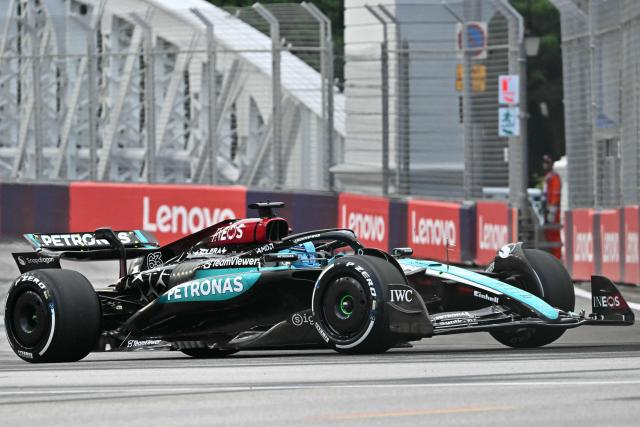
[[478, 78]]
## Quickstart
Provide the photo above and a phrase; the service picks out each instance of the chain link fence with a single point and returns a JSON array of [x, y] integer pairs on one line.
[[163, 91], [601, 65], [422, 86]]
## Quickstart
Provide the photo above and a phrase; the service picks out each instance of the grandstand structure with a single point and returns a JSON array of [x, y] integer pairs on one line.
[[164, 91]]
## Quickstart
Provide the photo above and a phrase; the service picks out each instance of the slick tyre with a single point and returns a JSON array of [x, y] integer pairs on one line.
[[558, 292], [52, 316], [348, 304]]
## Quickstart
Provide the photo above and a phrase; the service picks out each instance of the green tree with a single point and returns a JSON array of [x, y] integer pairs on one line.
[[544, 84]]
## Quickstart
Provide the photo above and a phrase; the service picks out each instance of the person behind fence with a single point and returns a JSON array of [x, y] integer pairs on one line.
[[551, 192]]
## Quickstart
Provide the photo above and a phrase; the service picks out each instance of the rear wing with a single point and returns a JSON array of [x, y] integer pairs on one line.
[[102, 244], [91, 245]]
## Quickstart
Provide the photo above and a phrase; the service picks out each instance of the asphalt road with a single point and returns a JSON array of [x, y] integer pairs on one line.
[[591, 376]]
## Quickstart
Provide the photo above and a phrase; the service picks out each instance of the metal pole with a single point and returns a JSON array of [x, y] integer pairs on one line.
[[212, 95], [37, 94], [274, 29], [524, 115], [518, 191], [384, 70], [91, 83], [467, 173], [150, 101], [467, 119], [592, 107], [326, 67], [401, 173]]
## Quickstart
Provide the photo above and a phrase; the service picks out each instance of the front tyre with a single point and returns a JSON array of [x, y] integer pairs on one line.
[[558, 291], [348, 304], [52, 316]]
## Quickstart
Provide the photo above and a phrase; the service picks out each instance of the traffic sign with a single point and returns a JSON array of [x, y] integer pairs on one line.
[[476, 39], [509, 121], [509, 89]]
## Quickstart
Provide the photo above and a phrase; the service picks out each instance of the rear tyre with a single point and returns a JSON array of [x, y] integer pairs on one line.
[[52, 316], [207, 353], [349, 304], [558, 292]]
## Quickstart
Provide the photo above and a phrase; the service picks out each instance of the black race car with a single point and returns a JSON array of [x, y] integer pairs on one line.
[[248, 285]]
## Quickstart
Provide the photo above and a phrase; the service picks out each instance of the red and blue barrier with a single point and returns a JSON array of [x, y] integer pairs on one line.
[[596, 242]]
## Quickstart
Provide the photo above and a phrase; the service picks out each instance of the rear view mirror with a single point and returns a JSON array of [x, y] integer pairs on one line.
[[280, 258], [401, 252]]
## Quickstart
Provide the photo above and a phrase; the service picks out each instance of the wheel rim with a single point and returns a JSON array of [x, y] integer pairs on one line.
[[29, 321], [345, 307]]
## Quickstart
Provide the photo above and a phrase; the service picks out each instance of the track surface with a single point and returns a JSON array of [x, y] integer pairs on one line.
[[591, 376]]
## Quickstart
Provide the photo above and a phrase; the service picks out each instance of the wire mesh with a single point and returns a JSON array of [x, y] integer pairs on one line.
[[434, 151], [124, 91], [600, 45]]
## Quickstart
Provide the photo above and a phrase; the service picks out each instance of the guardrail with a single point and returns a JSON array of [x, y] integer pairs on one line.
[[604, 242]]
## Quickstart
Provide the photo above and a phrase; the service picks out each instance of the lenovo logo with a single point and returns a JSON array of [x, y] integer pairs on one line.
[[610, 247], [180, 219], [582, 246], [430, 231], [366, 226], [631, 247], [492, 236]]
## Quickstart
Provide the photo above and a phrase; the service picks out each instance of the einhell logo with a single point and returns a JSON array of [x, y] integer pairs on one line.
[[492, 236], [432, 231], [167, 218]]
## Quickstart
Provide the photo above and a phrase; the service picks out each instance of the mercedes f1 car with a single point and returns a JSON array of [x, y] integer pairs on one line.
[[249, 285]]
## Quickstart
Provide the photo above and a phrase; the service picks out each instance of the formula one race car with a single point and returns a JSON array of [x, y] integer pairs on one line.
[[247, 285]]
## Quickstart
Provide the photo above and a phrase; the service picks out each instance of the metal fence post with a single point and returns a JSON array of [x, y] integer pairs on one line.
[[401, 178], [150, 101], [37, 94], [274, 29], [326, 72], [467, 173], [212, 95], [91, 122], [384, 71]]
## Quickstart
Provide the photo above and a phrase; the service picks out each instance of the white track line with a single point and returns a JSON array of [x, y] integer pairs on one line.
[[212, 389], [586, 294]]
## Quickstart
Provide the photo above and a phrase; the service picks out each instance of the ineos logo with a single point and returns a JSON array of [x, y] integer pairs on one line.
[[606, 301]]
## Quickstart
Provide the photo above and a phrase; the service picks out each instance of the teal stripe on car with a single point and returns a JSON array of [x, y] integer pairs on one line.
[[141, 236], [33, 239], [536, 304], [211, 288]]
